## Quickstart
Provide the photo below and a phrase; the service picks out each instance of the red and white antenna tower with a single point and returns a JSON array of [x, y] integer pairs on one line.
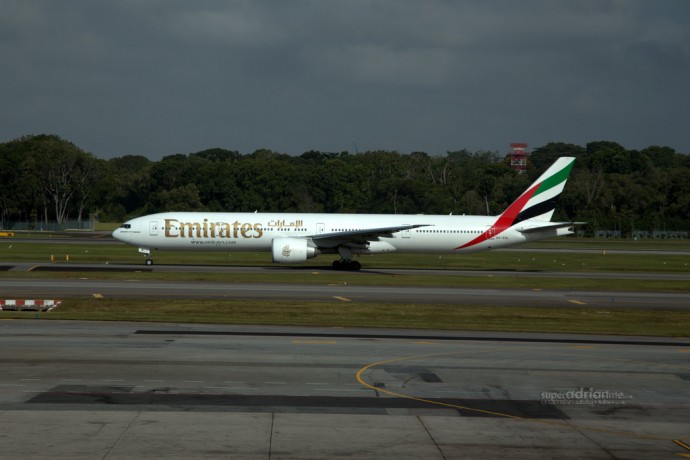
[[518, 157]]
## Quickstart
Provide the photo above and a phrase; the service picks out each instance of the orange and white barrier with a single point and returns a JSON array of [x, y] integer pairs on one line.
[[29, 304]]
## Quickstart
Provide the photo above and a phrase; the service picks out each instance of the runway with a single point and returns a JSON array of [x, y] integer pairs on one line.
[[273, 269], [137, 390], [313, 291]]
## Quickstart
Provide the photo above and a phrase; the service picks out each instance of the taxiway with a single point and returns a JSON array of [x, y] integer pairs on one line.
[[126, 390], [315, 291]]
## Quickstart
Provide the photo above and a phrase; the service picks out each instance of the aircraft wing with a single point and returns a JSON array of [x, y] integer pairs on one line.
[[362, 236], [531, 228]]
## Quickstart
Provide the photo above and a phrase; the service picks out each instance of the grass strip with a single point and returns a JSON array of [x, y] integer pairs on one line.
[[496, 280], [330, 314]]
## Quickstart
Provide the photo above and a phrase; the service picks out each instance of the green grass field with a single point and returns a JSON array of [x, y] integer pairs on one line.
[[355, 314]]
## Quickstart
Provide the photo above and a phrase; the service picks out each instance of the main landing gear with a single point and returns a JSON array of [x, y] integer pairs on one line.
[[347, 264]]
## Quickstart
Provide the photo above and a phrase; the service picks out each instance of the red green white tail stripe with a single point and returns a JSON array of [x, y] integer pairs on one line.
[[537, 203]]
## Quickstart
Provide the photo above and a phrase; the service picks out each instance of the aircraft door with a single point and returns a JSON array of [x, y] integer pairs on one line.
[[153, 228], [320, 229], [406, 233]]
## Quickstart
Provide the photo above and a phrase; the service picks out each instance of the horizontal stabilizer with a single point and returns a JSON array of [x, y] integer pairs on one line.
[[531, 228]]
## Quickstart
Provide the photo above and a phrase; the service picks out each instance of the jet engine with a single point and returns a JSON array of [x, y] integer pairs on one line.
[[292, 250]]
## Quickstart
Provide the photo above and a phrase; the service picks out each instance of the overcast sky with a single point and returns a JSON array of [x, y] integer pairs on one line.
[[160, 77]]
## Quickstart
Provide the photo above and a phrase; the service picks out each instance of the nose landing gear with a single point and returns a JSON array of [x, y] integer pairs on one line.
[[147, 253]]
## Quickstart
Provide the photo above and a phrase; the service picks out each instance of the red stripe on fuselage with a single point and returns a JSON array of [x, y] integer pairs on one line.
[[505, 220]]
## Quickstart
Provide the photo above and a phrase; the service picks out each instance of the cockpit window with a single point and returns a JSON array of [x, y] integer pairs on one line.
[[126, 226]]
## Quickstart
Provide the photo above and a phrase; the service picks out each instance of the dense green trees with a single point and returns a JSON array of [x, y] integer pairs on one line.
[[44, 176], [47, 178]]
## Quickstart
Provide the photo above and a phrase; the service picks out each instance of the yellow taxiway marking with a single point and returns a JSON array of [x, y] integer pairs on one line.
[[360, 379], [684, 446], [579, 302], [684, 350], [97, 295], [583, 347], [344, 299], [315, 342], [555, 423]]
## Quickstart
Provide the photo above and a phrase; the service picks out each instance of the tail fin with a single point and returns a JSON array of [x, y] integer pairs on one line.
[[538, 202]]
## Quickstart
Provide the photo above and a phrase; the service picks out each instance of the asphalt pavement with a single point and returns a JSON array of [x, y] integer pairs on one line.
[[110, 390]]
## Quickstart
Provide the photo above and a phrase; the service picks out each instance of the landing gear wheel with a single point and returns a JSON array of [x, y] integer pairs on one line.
[[149, 262], [349, 265]]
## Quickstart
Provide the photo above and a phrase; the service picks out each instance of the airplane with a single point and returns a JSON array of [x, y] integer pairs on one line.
[[292, 238]]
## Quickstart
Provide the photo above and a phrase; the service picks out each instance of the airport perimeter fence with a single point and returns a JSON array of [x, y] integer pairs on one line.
[[638, 234], [50, 226]]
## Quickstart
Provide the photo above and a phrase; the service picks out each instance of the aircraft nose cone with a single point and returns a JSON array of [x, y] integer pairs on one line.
[[117, 234], [123, 233]]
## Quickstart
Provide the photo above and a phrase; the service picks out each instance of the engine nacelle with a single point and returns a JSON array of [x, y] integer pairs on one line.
[[292, 250]]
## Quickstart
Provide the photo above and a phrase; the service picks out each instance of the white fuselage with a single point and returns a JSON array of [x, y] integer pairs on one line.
[[256, 231]]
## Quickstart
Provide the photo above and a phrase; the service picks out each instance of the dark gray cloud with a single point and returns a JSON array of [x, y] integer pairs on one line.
[[161, 77]]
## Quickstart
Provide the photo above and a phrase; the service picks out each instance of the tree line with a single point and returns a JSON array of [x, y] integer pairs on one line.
[[47, 178]]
